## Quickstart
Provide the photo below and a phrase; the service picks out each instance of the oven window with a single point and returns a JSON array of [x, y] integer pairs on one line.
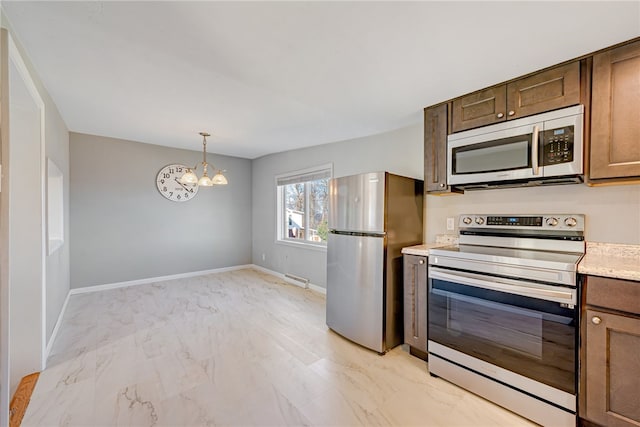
[[501, 155], [486, 320], [529, 336]]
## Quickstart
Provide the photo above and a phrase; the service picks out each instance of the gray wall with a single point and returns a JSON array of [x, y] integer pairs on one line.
[[398, 152], [612, 212], [122, 229]]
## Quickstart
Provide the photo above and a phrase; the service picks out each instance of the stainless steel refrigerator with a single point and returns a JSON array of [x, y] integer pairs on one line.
[[371, 218]]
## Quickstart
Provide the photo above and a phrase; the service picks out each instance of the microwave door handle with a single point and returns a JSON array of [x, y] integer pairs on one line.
[[534, 150]]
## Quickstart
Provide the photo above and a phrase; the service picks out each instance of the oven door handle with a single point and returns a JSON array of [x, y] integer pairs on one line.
[[515, 287]]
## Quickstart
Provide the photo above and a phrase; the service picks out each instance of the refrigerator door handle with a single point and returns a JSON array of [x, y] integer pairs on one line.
[[356, 233]]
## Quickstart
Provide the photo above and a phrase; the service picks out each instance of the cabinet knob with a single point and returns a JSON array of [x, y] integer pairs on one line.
[[511, 113], [442, 185], [596, 320], [421, 261], [500, 115]]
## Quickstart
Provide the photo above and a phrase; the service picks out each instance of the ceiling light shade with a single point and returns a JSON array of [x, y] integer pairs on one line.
[[205, 181], [219, 179], [190, 177]]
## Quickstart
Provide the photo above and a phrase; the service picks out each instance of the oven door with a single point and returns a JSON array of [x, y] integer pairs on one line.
[[523, 327], [507, 153]]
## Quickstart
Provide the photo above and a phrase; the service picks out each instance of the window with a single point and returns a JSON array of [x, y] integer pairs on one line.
[[303, 206]]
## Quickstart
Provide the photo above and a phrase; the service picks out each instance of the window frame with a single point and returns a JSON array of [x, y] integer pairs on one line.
[[55, 207], [281, 230]]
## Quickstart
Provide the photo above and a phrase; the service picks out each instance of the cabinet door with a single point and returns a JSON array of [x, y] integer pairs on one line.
[[615, 113], [613, 369], [435, 148], [480, 108], [415, 301], [544, 91]]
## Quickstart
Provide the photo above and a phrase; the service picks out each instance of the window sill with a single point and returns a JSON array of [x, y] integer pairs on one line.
[[311, 246]]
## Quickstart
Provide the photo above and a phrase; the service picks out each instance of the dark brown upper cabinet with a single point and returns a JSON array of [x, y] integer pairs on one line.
[[435, 149], [480, 108], [615, 113], [547, 90]]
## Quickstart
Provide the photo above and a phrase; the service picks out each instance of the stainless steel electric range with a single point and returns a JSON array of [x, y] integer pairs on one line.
[[503, 312]]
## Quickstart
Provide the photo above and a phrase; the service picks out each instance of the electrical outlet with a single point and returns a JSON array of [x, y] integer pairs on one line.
[[450, 223]]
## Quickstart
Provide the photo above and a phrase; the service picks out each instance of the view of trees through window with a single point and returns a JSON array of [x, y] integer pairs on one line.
[[306, 206]]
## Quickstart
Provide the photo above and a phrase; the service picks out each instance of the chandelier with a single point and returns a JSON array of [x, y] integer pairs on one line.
[[190, 177]]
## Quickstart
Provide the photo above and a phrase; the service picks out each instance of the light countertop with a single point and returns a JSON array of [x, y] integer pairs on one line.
[[601, 259], [423, 250], [611, 260]]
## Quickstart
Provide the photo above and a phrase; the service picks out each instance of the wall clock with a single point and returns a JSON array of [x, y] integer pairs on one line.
[[170, 187]]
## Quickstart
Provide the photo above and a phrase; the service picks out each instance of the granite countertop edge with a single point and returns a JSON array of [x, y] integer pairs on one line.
[[616, 261], [423, 249]]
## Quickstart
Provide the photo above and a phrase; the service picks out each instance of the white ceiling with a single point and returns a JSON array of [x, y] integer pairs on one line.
[[265, 77]]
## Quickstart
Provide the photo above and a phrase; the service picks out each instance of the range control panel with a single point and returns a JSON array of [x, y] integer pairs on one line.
[[557, 145], [531, 222]]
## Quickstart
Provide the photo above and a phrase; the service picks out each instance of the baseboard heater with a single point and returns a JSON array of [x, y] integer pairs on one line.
[[298, 279]]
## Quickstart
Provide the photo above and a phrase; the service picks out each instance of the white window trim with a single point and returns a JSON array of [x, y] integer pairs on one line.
[[55, 207], [306, 244]]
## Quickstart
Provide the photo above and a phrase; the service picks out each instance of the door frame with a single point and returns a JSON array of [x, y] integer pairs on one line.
[[4, 230], [16, 58], [9, 54]]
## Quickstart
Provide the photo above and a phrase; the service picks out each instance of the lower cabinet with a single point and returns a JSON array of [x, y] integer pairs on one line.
[[612, 366], [415, 304]]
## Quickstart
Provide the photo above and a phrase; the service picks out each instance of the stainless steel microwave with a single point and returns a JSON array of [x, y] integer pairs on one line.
[[543, 149]]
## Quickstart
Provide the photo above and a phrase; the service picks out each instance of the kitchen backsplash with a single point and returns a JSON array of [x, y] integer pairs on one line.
[[612, 212], [447, 239]]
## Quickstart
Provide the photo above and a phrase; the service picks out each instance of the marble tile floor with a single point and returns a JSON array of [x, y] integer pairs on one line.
[[237, 348]]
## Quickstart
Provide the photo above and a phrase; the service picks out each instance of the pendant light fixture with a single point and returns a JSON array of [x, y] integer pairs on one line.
[[190, 177]]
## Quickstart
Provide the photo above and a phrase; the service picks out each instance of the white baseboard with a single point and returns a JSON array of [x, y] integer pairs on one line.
[[318, 289], [56, 328], [311, 286], [96, 288]]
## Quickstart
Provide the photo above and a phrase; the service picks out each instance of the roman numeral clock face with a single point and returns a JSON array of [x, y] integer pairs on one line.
[[170, 187]]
